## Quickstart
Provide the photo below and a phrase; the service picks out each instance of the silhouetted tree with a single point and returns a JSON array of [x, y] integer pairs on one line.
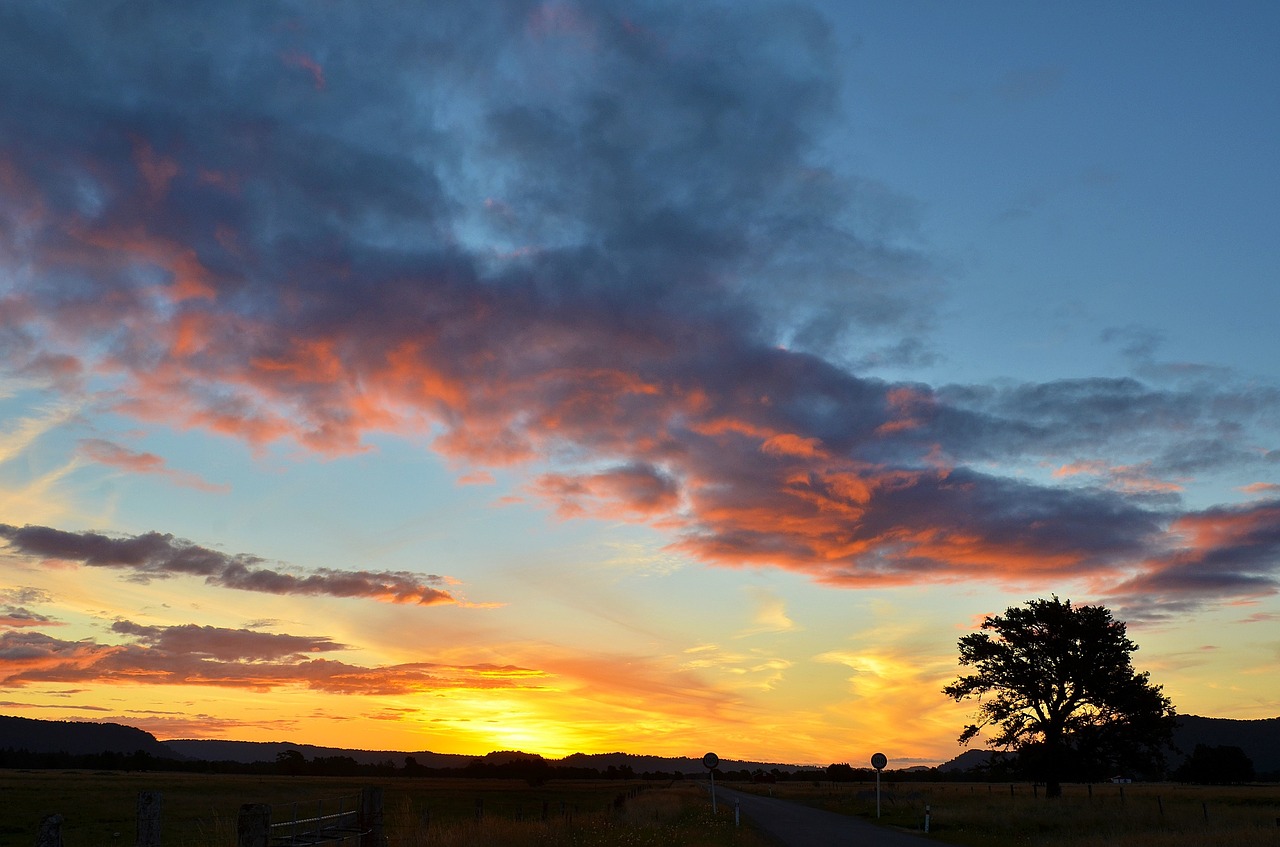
[[291, 762], [841, 772], [1221, 765], [1058, 682]]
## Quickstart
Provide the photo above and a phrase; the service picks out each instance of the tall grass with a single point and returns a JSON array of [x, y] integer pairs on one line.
[[662, 817], [201, 810]]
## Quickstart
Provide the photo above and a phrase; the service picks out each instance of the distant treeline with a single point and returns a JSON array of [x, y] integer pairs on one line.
[[293, 763], [1208, 765], [532, 769]]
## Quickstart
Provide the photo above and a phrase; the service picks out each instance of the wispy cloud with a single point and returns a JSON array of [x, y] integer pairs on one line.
[[108, 453], [21, 434], [769, 613]]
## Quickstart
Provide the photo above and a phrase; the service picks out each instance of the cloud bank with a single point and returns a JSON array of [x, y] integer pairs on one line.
[[606, 245]]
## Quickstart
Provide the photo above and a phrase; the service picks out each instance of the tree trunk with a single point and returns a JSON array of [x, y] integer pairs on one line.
[[1052, 764]]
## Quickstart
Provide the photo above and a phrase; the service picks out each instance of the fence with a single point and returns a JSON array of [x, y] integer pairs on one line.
[[148, 816], [352, 820], [355, 820]]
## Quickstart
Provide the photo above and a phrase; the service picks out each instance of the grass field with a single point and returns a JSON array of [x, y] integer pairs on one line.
[[1001, 815], [201, 810]]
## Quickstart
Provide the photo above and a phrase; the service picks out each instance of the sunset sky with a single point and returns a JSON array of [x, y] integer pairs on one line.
[[647, 376]]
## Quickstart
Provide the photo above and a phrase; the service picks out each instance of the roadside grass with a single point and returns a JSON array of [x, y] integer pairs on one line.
[[1104, 815], [659, 817], [201, 810]]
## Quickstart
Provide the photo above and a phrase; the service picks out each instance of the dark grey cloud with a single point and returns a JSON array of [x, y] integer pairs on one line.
[[1215, 555], [155, 555], [226, 644], [1175, 430], [18, 616]]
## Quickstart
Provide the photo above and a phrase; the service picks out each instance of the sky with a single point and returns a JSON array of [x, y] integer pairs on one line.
[[629, 376]]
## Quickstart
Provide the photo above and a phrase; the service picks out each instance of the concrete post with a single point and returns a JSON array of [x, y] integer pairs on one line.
[[149, 805], [371, 817], [253, 829], [50, 833]]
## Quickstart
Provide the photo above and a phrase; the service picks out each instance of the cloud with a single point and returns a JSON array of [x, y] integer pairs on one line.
[[606, 246], [107, 453], [25, 594], [636, 491], [210, 656], [16, 617], [13, 704], [1261, 488], [225, 644], [154, 555], [22, 433], [168, 726], [36, 499], [769, 614], [1134, 479], [1219, 554]]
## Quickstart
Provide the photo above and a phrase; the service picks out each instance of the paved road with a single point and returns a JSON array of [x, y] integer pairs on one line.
[[794, 825]]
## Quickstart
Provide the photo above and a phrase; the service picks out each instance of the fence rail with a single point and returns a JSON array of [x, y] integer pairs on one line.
[[335, 821], [342, 820]]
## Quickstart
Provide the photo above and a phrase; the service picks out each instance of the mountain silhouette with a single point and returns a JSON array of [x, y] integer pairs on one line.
[[1260, 739]]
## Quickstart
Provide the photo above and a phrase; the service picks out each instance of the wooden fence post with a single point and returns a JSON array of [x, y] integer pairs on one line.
[[371, 817], [254, 825], [149, 805], [50, 834]]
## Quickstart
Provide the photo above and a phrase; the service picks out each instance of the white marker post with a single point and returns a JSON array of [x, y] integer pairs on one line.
[[878, 761], [711, 761]]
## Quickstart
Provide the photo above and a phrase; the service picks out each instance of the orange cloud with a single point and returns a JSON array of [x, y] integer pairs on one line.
[[1224, 554], [1266, 488], [157, 171], [1136, 479], [787, 444], [28, 658], [123, 247], [17, 617], [308, 64], [630, 492], [907, 408], [108, 453]]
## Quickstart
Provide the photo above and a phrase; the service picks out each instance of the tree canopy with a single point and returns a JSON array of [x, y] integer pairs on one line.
[[1056, 683]]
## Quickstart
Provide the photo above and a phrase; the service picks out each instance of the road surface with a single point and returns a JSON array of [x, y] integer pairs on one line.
[[794, 825]]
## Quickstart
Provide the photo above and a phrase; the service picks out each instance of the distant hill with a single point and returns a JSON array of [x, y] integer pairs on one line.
[[1260, 739], [668, 764], [967, 761], [248, 752], [78, 738]]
